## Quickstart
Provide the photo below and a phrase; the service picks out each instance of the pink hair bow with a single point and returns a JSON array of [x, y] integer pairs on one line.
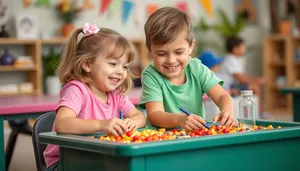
[[89, 29]]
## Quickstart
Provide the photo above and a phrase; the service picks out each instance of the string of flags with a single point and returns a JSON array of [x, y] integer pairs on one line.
[[111, 7]]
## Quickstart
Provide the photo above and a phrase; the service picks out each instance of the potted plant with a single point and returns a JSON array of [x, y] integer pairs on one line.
[[52, 82], [224, 28], [67, 12]]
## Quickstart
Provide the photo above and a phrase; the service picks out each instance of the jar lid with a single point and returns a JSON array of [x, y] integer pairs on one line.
[[246, 93]]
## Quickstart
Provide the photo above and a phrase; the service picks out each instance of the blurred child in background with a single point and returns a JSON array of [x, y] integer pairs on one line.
[[209, 59], [234, 68]]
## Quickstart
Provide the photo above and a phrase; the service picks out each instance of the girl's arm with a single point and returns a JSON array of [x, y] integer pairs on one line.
[[138, 116], [66, 122], [225, 103]]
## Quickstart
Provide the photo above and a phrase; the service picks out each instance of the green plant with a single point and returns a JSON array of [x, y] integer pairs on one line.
[[224, 28], [50, 62]]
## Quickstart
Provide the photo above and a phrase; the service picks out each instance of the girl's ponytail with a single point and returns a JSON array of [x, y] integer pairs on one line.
[[66, 64]]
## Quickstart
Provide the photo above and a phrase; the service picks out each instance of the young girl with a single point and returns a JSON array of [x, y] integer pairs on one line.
[[95, 74]]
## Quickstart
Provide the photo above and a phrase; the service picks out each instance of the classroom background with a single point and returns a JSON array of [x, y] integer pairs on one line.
[[33, 32]]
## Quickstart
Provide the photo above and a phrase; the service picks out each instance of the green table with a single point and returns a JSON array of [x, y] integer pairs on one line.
[[296, 100], [275, 150]]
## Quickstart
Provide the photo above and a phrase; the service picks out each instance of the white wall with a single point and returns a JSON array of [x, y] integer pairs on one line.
[[48, 22]]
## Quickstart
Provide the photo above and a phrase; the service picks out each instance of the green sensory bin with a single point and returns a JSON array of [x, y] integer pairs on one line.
[[270, 150]]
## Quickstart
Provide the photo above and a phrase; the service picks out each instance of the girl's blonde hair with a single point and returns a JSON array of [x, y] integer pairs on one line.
[[106, 43]]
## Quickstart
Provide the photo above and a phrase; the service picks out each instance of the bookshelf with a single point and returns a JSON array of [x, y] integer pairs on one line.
[[281, 69]]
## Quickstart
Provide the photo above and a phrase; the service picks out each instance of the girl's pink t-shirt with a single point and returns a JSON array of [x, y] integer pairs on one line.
[[78, 97]]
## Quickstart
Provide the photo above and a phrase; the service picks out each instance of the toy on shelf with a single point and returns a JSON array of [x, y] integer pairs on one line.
[[6, 58]]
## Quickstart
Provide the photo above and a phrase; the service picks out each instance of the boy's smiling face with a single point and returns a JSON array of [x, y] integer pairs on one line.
[[172, 58]]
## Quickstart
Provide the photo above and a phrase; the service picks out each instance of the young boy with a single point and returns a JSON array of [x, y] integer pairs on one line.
[[174, 79], [233, 67]]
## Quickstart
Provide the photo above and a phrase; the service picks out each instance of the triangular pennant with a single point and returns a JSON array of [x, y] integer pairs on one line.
[[104, 6], [151, 8], [194, 10], [182, 6], [45, 3], [206, 5], [114, 7], [126, 9], [140, 13]]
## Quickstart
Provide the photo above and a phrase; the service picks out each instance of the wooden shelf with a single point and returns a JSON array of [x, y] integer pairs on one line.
[[284, 45], [297, 63], [13, 68], [35, 92], [53, 41], [277, 64], [15, 41]]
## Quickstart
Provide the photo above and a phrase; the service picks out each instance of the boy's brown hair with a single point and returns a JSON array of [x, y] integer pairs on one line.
[[165, 24]]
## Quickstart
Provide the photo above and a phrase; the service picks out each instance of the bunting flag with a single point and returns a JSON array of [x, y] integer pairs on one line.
[[45, 3], [126, 9], [151, 8], [87, 4], [114, 7], [104, 6], [140, 13], [206, 5], [194, 10], [26, 3], [182, 6]]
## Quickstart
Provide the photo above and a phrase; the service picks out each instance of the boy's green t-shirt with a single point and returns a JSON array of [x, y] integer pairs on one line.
[[199, 80]]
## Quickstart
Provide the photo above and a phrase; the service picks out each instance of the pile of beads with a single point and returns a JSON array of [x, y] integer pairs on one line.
[[146, 135]]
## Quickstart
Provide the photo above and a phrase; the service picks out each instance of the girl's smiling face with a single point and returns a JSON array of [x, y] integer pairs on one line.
[[171, 59], [107, 74]]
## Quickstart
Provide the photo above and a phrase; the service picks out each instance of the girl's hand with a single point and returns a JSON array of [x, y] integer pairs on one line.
[[191, 122], [131, 124], [115, 126], [226, 118]]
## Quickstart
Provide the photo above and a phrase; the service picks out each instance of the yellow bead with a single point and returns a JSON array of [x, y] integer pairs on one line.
[[125, 137], [279, 127], [162, 130], [213, 132], [270, 127]]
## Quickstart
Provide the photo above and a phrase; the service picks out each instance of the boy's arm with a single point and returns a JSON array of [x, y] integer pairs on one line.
[[225, 103], [158, 117], [138, 116]]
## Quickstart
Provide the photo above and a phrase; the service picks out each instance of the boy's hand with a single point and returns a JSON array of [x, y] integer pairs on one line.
[[226, 118], [191, 122], [131, 124], [115, 126]]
